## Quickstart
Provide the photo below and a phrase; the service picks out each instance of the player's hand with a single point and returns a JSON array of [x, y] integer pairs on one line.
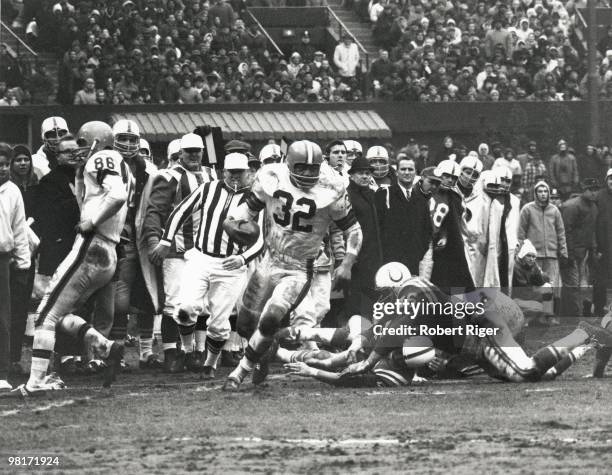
[[85, 227], [437, 364], [353, 350], [158, 254], [232, 263], [299, 369], [342, 274]]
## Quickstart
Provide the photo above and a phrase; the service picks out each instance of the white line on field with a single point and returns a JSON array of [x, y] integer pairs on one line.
[[51, 405]]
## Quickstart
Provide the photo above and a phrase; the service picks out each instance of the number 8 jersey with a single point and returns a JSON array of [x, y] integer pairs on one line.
[[299, 218], [106, 177]]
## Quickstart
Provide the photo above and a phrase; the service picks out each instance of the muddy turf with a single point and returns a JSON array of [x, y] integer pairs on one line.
[[153, 423]]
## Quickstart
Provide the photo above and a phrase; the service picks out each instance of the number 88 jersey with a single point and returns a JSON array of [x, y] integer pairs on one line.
[[104, 171], [298, 219]]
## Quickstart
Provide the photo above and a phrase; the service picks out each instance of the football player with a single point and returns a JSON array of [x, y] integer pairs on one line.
[[450, 267], [300, 203], [383, 174], [215, 266], [137, 283], [270, 153], [496, 351], [51, 131], [353, 150], [89, 266]]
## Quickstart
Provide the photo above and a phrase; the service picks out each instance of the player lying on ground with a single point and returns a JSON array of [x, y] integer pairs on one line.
[[497, 350]]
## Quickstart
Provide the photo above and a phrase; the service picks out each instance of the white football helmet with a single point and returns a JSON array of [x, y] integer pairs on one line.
[[505, 177], [126, 137], [392, 274], [271, 153], [379, 159], [491, 182], [52, 130], [471, 168], [353, 146], [449, 168], [174, 148]]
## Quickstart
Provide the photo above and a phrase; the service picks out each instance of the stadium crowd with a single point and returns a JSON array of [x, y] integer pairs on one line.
[[536, 227], [168, 52]]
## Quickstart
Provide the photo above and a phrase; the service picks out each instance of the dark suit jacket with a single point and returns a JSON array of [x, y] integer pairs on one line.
[[405, 225], [56, 213]]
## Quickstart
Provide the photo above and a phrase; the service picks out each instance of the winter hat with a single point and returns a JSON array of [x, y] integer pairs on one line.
[[527, 248]]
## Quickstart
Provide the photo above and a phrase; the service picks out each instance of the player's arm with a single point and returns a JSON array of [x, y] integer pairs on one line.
[[186, 208], [337, 379], [365, 365], [250, 208], [253, 251], [344, 217]]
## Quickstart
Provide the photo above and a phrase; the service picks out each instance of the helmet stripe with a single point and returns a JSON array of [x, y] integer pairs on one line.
[[309, 152]]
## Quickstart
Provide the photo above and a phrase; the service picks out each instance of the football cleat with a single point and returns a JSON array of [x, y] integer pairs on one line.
[[195, 361], [23, 391], [231, 385], [601, 336], [152, 362], [177, 365], [113, 363], [262, 368], [5, 386], [208, 372]]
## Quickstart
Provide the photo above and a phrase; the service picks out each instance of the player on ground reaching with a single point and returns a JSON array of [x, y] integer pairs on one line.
[[301, 199], [89, 266], [499, 354]]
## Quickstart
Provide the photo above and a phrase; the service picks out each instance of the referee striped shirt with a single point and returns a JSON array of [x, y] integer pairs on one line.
[[213, 201]]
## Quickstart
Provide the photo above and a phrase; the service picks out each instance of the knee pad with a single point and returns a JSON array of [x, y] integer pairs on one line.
[[246, 322], [271, 319]]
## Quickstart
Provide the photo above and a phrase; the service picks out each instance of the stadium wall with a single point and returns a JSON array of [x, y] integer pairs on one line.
[[513, 123]]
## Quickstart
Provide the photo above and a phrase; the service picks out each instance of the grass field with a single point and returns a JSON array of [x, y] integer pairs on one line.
[[155, 423]]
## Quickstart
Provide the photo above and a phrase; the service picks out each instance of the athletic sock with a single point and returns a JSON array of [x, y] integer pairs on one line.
[[213, 348], [169, 333], [567, 361], [145, 327], [200, 333], [42, 349], [187, 337]]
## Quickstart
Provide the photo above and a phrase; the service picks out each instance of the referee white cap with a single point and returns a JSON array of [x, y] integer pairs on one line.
[[236, 161], [191, 141]]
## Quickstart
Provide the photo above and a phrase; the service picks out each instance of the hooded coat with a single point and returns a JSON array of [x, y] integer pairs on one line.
[[543, 226]]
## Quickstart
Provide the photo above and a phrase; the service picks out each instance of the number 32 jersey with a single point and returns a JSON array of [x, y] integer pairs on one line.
[[299, 219], [106, 175]]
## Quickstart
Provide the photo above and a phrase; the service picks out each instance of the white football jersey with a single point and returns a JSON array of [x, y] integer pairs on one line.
[[103, 171]]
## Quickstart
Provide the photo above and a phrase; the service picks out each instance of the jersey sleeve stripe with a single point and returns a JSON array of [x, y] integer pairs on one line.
[[349, 220]]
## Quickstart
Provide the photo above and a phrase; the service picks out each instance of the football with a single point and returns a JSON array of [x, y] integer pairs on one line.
[[243, 231], [418, 351]]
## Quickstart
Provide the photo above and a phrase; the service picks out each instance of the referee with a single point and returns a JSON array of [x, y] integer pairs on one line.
[[216, 266]]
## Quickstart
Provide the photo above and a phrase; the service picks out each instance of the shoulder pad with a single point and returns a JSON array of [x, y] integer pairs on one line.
[[271, 176]]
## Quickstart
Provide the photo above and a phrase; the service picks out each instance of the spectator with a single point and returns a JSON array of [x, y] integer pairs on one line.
[[446, 151], [362, 294], [14, 255], [39, 85], [579, 218], [306, 49], [346, 57], [485, 157], [530, 286], [22, 281], [405, 222], [498, 35], [188, 94], [564, 170], [590, 165], [603, 253], [542, 224], [87, 95], [10, 99], [534, 171], [422, 160]]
